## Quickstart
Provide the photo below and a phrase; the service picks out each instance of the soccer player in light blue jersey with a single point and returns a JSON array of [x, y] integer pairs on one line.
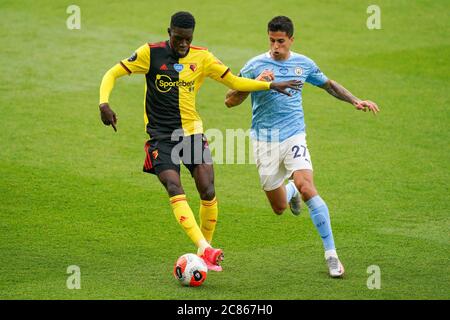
[[278, 130]]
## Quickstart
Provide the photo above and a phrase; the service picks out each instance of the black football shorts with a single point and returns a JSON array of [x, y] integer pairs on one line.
[[164, 154]]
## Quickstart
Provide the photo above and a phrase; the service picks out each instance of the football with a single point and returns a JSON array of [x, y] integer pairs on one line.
[[190, 270]]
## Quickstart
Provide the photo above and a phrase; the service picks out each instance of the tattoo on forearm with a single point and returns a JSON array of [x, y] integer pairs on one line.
[[338, 91]]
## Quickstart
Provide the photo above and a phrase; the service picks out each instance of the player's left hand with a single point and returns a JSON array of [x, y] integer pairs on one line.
[[365, 105]]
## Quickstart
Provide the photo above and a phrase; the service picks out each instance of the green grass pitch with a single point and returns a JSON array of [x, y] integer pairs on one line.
[[72, 191]]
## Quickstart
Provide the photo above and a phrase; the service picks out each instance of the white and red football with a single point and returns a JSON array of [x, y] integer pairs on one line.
[[190, 270]]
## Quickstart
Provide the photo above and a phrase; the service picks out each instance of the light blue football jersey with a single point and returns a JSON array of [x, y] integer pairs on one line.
[[275, 116]]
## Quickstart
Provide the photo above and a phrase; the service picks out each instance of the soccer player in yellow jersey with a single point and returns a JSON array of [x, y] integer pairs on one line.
[[174, 72]]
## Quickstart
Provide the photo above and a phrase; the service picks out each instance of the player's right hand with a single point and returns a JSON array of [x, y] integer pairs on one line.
[[365, 105], [282, 86], [108, 116]]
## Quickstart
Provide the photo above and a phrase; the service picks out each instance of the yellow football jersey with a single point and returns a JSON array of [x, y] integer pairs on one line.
[[172, 84]]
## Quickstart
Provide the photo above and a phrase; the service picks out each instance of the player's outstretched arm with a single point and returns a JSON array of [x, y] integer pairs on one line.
[[339, 92], [235, 98], [106, 113], [244, 84]]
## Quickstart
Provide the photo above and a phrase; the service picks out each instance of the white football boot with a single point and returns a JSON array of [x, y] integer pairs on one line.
[[296, 204], [335, 266]]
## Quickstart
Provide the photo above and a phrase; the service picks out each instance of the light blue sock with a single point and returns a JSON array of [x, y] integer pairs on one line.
[[291, 190], [321, 219]]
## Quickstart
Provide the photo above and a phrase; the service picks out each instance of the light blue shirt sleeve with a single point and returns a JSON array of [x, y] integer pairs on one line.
[[316, 77], [247, 71]]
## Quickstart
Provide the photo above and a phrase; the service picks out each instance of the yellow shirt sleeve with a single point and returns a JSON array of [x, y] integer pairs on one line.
[[139, 62], [244, 84], [108, 81], [215, 69]]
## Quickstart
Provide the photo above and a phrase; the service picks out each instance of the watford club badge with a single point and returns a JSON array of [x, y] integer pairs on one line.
[[193, 67], [155, 154]]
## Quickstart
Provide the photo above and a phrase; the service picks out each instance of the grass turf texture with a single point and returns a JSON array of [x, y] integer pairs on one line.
[[72, 191]]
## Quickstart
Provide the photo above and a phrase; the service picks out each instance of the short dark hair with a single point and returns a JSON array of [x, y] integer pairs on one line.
[[281, 23], [182, 19]]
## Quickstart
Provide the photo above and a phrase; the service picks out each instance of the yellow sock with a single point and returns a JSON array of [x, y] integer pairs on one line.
[[186, 219], [208, 218]]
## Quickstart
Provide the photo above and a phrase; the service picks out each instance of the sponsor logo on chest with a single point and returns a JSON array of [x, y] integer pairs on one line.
[[164, 83]]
